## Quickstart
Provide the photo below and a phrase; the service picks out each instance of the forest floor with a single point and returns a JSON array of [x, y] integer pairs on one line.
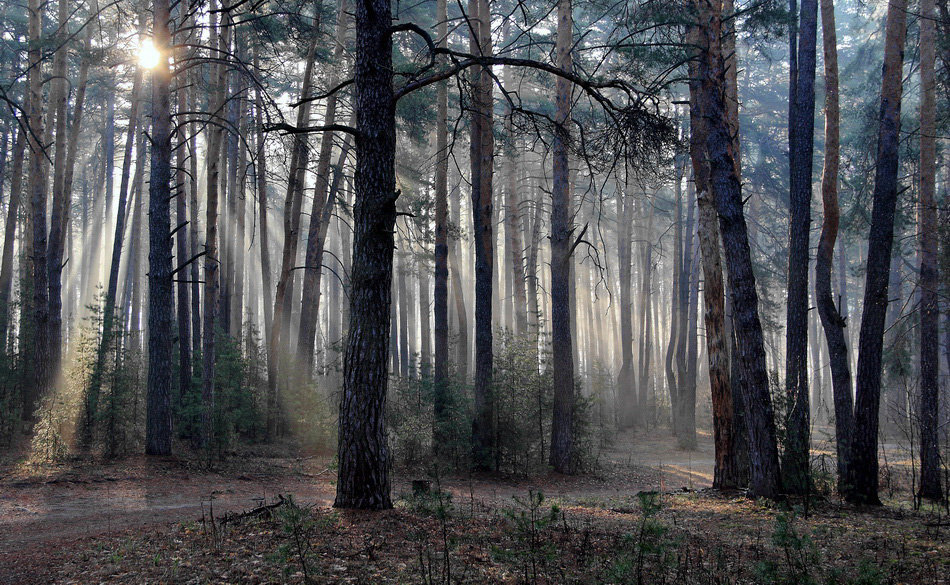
[[644, 516]]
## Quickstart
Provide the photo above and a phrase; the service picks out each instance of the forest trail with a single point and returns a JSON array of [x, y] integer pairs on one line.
[[65, 502]]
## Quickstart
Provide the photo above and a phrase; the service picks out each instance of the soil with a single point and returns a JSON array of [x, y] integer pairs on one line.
[[146, 520]]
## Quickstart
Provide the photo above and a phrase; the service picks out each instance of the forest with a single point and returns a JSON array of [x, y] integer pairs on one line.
[[494, 291]]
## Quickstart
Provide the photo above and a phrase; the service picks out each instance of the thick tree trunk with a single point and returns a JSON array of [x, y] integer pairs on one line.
[[158, 421], [562, 240], [726, 473], [863, 464], [832, 321], [727, 194], [482, 163], [363, 454], [795, 464], [930, 487]]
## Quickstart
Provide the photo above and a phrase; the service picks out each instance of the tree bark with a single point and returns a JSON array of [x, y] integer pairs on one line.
[[158, 421], [441, 289], [40, 371], [862, 486], [482, 163], [562, 247], [930, 487], [727, 194], [832, 321], [363, 454], [215, 138], [795, 465]]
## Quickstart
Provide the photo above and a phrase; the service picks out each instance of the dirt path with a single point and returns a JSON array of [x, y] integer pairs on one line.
[[57, 508]]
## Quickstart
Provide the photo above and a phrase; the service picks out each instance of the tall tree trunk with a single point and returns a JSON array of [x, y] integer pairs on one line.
[[795, 465], [215, 138], [562, 246], [832, 321], [727, 194], [40, 371], [316, 235], [482, 163], [363, 455], [930, 487], [158, 422], [441, 289], [863, 464], [725, 429], [196, 300]]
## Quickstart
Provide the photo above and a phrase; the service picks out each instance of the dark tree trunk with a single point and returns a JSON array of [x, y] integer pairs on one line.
[[39, 178], [363, 454], [726, 473], [482, 153], [158, 422], [211, 259], [795, 465], [727, 193], [562, 239], [930, 487], [832, 321], [863, 464], [441, 289]]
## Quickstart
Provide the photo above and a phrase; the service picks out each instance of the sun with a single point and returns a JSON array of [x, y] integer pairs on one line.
[[148, 54]]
